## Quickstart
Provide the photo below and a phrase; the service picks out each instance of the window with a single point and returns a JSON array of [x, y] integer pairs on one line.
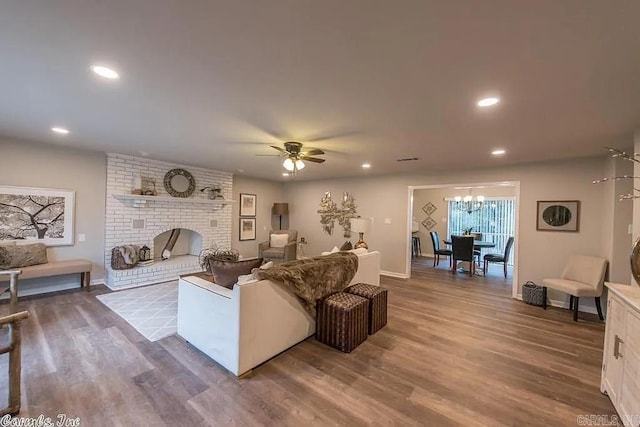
[[496, 222]]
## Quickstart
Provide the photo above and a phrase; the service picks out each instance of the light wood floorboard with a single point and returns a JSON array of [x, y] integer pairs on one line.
[[457, 351]]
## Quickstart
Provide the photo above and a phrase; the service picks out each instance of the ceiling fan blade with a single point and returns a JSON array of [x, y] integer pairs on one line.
[[335, 135], [275, 147], [312, 159], [312, 152]]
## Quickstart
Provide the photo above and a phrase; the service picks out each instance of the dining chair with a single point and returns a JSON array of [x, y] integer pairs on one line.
[[503, 258], [583, 276], [435, 239], [462, 250]]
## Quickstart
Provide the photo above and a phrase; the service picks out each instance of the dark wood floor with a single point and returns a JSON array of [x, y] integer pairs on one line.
[[456, 351]]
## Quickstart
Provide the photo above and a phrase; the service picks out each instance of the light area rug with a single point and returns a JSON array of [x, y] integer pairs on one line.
[[151, 310]]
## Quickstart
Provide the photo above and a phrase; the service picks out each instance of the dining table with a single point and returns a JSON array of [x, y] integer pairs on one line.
[[477, 244]]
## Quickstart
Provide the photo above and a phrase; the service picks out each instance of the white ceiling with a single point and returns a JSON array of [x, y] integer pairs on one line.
[[212, 83]]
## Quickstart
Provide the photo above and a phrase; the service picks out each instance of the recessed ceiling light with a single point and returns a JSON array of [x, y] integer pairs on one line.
[[488, 102], [366, 166], [499, 152], [106, 72], [60, 130]]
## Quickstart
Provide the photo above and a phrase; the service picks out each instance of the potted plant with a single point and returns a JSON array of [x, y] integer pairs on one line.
[[217, 254]]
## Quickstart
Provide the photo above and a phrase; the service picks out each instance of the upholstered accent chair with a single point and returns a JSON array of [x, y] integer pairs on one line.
[[583, 276], [278, 248], [499, 258]]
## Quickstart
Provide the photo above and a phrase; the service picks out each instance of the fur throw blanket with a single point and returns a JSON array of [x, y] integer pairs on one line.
[[312, 279], [129, 253]]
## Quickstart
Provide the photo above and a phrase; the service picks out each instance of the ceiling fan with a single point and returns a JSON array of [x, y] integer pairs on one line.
[[295, 156]]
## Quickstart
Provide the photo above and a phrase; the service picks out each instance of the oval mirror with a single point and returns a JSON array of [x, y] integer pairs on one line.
[[556, 215], [179, 183]]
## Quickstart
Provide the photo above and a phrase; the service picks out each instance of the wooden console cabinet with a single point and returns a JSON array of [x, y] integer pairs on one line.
[[621, 361]]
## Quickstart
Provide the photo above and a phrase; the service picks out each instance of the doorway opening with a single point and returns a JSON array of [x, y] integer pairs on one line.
[[487, 210]]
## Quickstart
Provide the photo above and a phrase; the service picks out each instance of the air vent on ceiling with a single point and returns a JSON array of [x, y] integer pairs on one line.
[[408, 159]]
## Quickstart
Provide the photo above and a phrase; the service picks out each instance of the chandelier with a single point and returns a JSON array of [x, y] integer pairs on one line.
[[469, 205]]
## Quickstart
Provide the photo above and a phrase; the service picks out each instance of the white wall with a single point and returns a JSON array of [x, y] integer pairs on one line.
[[28, 164], [617, 216], [267, 194], [541, 254]]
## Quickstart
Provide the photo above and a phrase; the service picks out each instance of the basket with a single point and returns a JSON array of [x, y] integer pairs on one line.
[[534, 295], [118, 262]]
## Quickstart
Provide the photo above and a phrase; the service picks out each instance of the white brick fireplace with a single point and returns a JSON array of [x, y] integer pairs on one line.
[[135, 220]]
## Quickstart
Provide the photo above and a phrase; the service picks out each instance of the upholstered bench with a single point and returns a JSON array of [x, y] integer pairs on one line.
[[342, 321], [57, 268], [377, 298]]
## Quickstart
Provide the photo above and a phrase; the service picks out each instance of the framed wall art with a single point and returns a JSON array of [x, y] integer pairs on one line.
[[40, 215], [247, 229], [248, 204], [558, 215]]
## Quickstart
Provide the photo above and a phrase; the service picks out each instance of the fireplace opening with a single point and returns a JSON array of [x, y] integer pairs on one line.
[[176, 242]]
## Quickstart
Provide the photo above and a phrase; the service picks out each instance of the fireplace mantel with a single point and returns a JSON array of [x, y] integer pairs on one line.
[[141, 201]]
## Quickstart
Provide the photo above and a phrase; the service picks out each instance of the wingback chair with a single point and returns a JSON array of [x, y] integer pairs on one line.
[[277, 253], [583, 276]]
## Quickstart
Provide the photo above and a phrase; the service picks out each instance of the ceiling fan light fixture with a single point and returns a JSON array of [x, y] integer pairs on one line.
[[300, 164], [288, 164]]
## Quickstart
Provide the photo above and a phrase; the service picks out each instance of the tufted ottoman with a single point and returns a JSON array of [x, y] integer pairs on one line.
[[377, 297], [342, 321]]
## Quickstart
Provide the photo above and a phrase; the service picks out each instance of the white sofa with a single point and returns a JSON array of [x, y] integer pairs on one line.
[[242, 327]]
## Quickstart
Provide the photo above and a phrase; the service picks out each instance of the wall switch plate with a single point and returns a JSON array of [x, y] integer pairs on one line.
[[387, 220], [82, 237]]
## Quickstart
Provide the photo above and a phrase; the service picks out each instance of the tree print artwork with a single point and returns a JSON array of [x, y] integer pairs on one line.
[[36, 214], [29, 216]]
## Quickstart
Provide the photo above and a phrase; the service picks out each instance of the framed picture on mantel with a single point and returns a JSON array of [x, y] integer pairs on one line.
[[247, 204]]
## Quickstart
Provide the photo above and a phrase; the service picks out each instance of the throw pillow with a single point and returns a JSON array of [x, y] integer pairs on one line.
[[346, 246], [264, 266], [18, 256], [278, 240], [359, 251], [225, 273], [246, 278]]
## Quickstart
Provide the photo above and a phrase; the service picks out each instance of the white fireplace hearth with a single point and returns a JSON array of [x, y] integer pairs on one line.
[[129, 222]]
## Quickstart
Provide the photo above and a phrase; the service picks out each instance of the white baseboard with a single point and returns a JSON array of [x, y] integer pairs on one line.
[[564, 304], [95, 282], [393, 274]]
